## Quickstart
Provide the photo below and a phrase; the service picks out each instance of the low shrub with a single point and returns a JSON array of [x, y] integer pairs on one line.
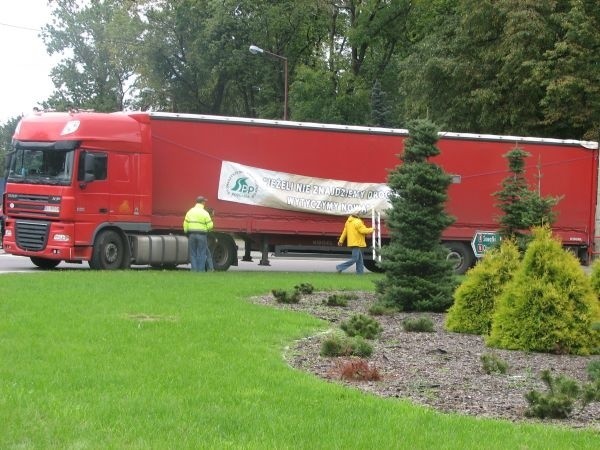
[[304, 288], [381, 309], [493, 364], [358, 370], [420, 324], [339, 299], [361, 325], [336, 300], [593, 370], [282, 296], [340, 345], [558, 402]]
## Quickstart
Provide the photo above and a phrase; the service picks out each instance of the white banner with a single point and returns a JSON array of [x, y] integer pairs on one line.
[[254, 186]]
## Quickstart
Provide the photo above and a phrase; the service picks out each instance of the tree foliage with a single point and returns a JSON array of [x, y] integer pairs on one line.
[[549, 305], [519, 67], [418, 276], [99, 40], [522, 208], [7, 130], [475, 299]]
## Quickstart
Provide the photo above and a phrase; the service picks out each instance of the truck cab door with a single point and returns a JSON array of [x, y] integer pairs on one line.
[[92, 204], [124, 203]]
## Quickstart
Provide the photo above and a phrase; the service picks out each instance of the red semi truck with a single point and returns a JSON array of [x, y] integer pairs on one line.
[[112, 189]]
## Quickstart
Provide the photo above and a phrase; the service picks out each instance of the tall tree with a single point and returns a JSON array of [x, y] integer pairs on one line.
[[195, 55], [99, 39], [568, 73], [483, 67], [417, 275], [7, 129], [380, 111], [363, 36]]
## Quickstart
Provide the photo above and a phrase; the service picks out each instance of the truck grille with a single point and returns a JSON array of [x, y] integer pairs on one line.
[[32, 236], [31, 203]]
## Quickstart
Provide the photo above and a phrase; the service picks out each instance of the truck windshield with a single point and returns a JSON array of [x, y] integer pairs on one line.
[[41, 166]]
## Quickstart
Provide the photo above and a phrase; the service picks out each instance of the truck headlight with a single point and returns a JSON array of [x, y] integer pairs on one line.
[[61, 237]]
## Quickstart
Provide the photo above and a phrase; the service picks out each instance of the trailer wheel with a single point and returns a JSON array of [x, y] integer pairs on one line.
[[461, 256], [224, 251], [109, 252], [372, 266], [45, 263]]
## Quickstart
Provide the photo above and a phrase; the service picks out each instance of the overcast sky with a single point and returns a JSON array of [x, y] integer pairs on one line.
[[25, 72]]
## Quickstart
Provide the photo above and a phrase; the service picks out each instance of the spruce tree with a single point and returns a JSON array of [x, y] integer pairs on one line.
[[380, 113], [523, 208], [418, 276]]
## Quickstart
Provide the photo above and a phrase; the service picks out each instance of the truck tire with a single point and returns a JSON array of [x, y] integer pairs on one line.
[[224, 251], [44, 263], [461, 255], [372, 266], [109, 252]]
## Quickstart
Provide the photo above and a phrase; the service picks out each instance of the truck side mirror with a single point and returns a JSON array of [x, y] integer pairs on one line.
[[88, 161]]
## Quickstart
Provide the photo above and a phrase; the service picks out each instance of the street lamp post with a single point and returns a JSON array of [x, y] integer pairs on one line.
[[255, 51]]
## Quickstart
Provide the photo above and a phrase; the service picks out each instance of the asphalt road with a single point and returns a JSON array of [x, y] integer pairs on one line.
[[10, 263]]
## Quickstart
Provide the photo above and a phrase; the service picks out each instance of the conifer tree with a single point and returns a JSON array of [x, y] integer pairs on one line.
[[380, 113], [418, 276], [549, 306], [476, 297], [522, 207]]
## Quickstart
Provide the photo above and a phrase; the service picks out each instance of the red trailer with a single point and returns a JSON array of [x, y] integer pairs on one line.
[[112, 189]]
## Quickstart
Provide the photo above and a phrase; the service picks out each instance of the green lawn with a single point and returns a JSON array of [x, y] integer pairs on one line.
[[175, 360]]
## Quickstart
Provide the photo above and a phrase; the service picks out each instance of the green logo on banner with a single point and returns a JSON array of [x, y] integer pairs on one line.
[[241, 185]]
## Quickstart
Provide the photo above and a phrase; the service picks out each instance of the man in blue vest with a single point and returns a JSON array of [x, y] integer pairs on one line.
[[196, 225]]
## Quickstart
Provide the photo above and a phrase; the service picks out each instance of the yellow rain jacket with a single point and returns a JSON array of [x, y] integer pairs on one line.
[[197, 219], [355, 232]]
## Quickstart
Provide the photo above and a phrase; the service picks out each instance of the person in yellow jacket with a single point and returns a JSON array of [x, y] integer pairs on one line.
[[354, 233], [196, 225]]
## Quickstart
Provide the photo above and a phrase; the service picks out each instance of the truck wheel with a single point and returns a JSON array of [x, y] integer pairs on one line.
[[44, 263], [461, 256], [109, 252], [224, 251], [372, 266]]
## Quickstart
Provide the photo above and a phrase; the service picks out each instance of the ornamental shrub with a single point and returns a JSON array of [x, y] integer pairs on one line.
[[595, 277], [419, 325], [549, 305], [339, 299], [475, 298], [358, 370], [492, 363], [341, 345], [282, 296], [361, 325], [304, 288], [557, 402]]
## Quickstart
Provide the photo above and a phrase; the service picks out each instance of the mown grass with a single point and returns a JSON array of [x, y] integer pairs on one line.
[[175, 360]]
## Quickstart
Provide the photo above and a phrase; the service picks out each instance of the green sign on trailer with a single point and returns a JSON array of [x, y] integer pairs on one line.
[[483, 240]]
